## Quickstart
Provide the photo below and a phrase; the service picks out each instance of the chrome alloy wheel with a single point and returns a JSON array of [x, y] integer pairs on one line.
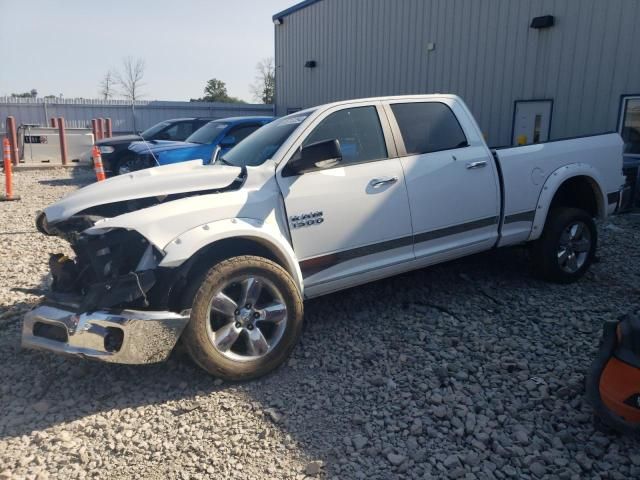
[[247, 318], [575, 244]]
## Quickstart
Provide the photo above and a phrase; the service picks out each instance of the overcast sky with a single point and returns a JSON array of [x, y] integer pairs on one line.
[[65, 47]]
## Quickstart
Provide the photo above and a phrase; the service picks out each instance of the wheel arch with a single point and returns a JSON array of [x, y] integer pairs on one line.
[[577, 185], [202, 246]]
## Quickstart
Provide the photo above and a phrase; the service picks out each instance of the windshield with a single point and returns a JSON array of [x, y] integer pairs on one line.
[[264, 142], [151, 131], [208, 133]]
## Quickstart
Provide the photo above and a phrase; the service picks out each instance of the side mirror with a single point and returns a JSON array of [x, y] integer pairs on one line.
[[228, 141], [319, 155]]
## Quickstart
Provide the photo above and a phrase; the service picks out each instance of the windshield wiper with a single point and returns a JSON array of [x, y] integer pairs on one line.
[[223, 161]]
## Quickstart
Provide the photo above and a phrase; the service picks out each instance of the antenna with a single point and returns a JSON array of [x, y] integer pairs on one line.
[[146, 144]]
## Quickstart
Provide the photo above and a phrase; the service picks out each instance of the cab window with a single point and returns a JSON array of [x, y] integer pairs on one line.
[[178, 132], [428, 127], [357, 129]]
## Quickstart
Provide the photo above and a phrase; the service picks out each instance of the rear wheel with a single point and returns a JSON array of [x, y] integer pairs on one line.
[[567, 245], [246, 318]]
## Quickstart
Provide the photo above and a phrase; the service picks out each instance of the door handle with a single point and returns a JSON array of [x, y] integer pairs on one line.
[[379, 182], [479, 164]]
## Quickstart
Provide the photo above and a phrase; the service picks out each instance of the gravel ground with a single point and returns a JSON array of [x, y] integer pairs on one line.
[[466, 370]]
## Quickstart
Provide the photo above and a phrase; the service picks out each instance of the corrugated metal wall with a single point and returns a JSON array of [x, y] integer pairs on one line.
[[484, 52], [78, 113]]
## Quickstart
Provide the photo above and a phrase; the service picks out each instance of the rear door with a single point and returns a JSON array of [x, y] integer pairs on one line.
[[451, 179], [351, 219]]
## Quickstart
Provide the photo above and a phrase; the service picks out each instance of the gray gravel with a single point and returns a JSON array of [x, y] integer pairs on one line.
[[466, 370]]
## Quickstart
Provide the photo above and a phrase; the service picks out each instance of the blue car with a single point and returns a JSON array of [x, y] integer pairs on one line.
[[200, 145]]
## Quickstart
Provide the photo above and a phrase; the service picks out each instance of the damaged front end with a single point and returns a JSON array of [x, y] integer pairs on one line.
[[98, 304], [112, 301]]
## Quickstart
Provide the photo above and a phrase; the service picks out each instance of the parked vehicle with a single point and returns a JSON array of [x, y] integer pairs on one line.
[[115, 150], [217, 136], [315, 202]]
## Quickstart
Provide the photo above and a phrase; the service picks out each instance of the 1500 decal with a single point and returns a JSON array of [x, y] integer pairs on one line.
[[306, 220]]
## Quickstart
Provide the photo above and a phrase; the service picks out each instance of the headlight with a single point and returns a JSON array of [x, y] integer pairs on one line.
[[106, 149]]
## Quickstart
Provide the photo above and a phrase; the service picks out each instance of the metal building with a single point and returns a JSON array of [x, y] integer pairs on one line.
[[531, 70]]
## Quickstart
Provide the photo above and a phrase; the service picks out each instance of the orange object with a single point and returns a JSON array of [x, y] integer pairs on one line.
[[63, 140], [100, 124], [94, 129], [8, 179], [620, 389], [97, 164], [108, 130], [13, 138]]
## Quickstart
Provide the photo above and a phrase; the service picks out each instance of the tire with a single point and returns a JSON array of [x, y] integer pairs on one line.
[[228, 340], [560, 239], [128, 164]]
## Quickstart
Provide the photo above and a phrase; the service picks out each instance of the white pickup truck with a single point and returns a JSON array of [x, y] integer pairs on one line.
[[327, 198]]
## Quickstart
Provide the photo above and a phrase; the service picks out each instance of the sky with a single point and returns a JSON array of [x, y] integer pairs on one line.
[[66, 47]]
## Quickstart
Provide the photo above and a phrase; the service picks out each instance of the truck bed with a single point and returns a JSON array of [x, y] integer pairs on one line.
[[526, 170]]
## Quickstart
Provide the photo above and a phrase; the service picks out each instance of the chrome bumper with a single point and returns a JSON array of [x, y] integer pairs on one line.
[[125, 336]]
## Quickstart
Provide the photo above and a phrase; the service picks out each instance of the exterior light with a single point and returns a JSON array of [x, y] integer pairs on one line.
[[310, 64], [545, 21]]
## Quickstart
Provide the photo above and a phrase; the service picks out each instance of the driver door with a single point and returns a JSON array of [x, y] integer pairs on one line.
[[349, 221]]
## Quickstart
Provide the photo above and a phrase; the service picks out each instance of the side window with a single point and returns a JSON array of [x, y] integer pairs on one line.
[[178, 131], [428, 127], [357, 129], [242, 132]]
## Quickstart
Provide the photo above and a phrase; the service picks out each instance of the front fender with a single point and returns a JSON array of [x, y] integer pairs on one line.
[[553, 183], [184, 246]]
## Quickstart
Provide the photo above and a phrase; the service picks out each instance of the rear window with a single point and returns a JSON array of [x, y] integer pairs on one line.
[[428, 127]]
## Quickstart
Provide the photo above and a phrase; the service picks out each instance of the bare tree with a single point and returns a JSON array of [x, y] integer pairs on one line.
[[129, 79], [107, 85], [264, 90]]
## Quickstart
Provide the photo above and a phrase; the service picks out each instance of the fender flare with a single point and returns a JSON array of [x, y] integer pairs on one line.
[[553, 183], [188, 243]]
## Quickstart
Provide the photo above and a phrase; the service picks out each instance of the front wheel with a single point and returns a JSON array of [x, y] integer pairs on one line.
[[246, 318], [567, 246], [131, 163]]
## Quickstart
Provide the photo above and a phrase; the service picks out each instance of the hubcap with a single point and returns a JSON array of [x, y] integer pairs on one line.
[[247, 318], [575, 244]]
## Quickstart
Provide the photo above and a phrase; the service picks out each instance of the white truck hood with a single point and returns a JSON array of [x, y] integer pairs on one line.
[[153, 182]]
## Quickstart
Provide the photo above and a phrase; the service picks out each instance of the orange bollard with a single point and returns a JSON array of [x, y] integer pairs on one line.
[[13, 138], [94, 129], [100, 124], [97, 164], [63, 140], [8, 179], [109, 132]]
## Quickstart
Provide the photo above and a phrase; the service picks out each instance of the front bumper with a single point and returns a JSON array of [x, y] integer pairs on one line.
[[118, 336]]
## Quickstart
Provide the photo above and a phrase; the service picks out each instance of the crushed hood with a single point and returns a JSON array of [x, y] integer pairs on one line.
[[160, 182]]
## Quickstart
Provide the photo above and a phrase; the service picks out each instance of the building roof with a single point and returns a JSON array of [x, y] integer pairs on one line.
[[294, 8]]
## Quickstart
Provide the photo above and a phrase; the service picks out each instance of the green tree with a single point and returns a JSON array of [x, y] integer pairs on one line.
[[216, 91], [33, 93]]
